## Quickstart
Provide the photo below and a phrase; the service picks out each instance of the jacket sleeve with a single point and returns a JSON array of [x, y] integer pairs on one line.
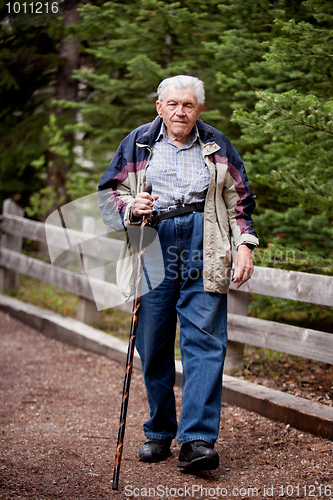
[[239, 200], [115, 193]]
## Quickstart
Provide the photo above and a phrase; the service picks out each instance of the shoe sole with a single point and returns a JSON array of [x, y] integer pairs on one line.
[[201, 463], [150, 460], [153, 460]]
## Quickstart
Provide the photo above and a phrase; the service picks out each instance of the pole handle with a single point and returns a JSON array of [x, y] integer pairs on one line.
[[147, 187]]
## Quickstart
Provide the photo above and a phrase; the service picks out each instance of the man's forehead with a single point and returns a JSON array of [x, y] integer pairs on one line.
[[180, 94]]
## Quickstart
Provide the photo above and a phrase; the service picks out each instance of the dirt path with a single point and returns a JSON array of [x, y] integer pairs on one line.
[[59, 421]]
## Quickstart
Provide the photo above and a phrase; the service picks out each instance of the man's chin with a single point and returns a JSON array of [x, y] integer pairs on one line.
[[180, 132]]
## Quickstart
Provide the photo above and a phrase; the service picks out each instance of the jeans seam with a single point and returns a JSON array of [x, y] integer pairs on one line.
[[184, 375]]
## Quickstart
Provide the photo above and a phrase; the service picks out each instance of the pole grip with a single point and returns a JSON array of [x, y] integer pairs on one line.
[[147, 187]]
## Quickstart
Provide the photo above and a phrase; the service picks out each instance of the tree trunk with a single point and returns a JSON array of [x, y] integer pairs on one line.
[[66, 89]]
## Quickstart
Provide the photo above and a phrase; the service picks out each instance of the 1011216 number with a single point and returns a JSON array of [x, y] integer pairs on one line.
[[32, 8]]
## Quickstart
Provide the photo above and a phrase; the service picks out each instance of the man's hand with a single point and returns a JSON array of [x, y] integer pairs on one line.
[[143, 204], [243, 266]]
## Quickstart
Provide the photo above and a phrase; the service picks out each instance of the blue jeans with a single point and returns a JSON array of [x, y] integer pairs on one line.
[[203, 337]]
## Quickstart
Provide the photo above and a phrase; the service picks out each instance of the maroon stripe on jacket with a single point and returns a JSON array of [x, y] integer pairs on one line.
[[117, 201], [240, 190], [115, 197], [130, 167]]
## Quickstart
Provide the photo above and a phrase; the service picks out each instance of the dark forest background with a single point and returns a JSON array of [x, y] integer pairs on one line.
[[75, 81]]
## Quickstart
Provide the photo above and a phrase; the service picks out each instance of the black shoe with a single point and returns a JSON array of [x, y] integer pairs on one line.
[[154, 450], [198, 455]]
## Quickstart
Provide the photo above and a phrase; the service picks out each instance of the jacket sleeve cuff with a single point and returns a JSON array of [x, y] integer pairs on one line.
[[129, 219], [248, 240], [248, 245]]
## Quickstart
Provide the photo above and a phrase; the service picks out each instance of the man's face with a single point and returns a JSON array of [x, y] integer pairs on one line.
[[180, 110]]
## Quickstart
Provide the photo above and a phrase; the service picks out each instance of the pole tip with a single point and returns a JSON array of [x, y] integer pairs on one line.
[[115, 485]]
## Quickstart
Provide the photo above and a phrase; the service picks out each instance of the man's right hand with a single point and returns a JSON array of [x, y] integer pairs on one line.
[[143, 204]]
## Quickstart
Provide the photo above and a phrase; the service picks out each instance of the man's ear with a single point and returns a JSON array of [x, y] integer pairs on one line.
[[201, 108], [158, 108]]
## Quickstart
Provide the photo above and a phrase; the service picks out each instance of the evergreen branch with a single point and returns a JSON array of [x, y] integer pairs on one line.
[[301, 27], [312, 55], [298, 54], [293, 118]]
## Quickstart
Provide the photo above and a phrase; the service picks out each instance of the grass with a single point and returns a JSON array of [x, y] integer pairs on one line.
[[292, 312], [47, 296], [53, 298]]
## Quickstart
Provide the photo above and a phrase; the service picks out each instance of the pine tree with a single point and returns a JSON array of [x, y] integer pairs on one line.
[[293, 135], [130, 47], [245, 29], [28, 61], [37, 59]]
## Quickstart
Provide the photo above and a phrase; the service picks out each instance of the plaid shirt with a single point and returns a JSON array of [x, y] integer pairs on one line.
[[178, 175]]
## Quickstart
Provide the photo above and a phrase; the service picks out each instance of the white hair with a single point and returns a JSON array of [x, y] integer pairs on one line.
[[180, 82]]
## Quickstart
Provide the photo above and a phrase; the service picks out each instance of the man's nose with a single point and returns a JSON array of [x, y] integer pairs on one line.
[[180, 110]]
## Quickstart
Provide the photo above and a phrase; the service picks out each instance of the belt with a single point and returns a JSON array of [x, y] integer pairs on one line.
[[176, 211]]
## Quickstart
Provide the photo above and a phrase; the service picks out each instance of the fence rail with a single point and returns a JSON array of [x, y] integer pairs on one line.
[[310, 288], [303, 287]]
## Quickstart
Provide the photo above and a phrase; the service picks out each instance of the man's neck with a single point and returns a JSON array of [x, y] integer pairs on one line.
[[178, 140]]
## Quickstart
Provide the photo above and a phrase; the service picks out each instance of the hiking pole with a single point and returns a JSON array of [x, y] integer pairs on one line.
[[130, 352]]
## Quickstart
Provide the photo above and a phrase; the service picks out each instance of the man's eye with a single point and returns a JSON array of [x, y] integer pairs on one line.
[[172, 105]]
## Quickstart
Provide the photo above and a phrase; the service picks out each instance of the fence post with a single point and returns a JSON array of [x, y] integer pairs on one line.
[[87, 311], [9, 280], [237, 304]]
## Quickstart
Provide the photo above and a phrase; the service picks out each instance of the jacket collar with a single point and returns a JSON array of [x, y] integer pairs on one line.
[[150, 136], [205, 132]]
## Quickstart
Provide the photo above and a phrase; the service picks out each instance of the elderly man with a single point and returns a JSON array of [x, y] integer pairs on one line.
[[200, 196]]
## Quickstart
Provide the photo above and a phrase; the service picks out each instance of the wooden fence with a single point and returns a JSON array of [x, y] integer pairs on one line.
[[309, 288]]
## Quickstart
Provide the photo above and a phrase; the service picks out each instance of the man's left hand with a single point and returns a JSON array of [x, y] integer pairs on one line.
[[243, 266]]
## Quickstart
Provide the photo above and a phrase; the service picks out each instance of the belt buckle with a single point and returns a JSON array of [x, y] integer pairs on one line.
[[176, 207], [172, 207]]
